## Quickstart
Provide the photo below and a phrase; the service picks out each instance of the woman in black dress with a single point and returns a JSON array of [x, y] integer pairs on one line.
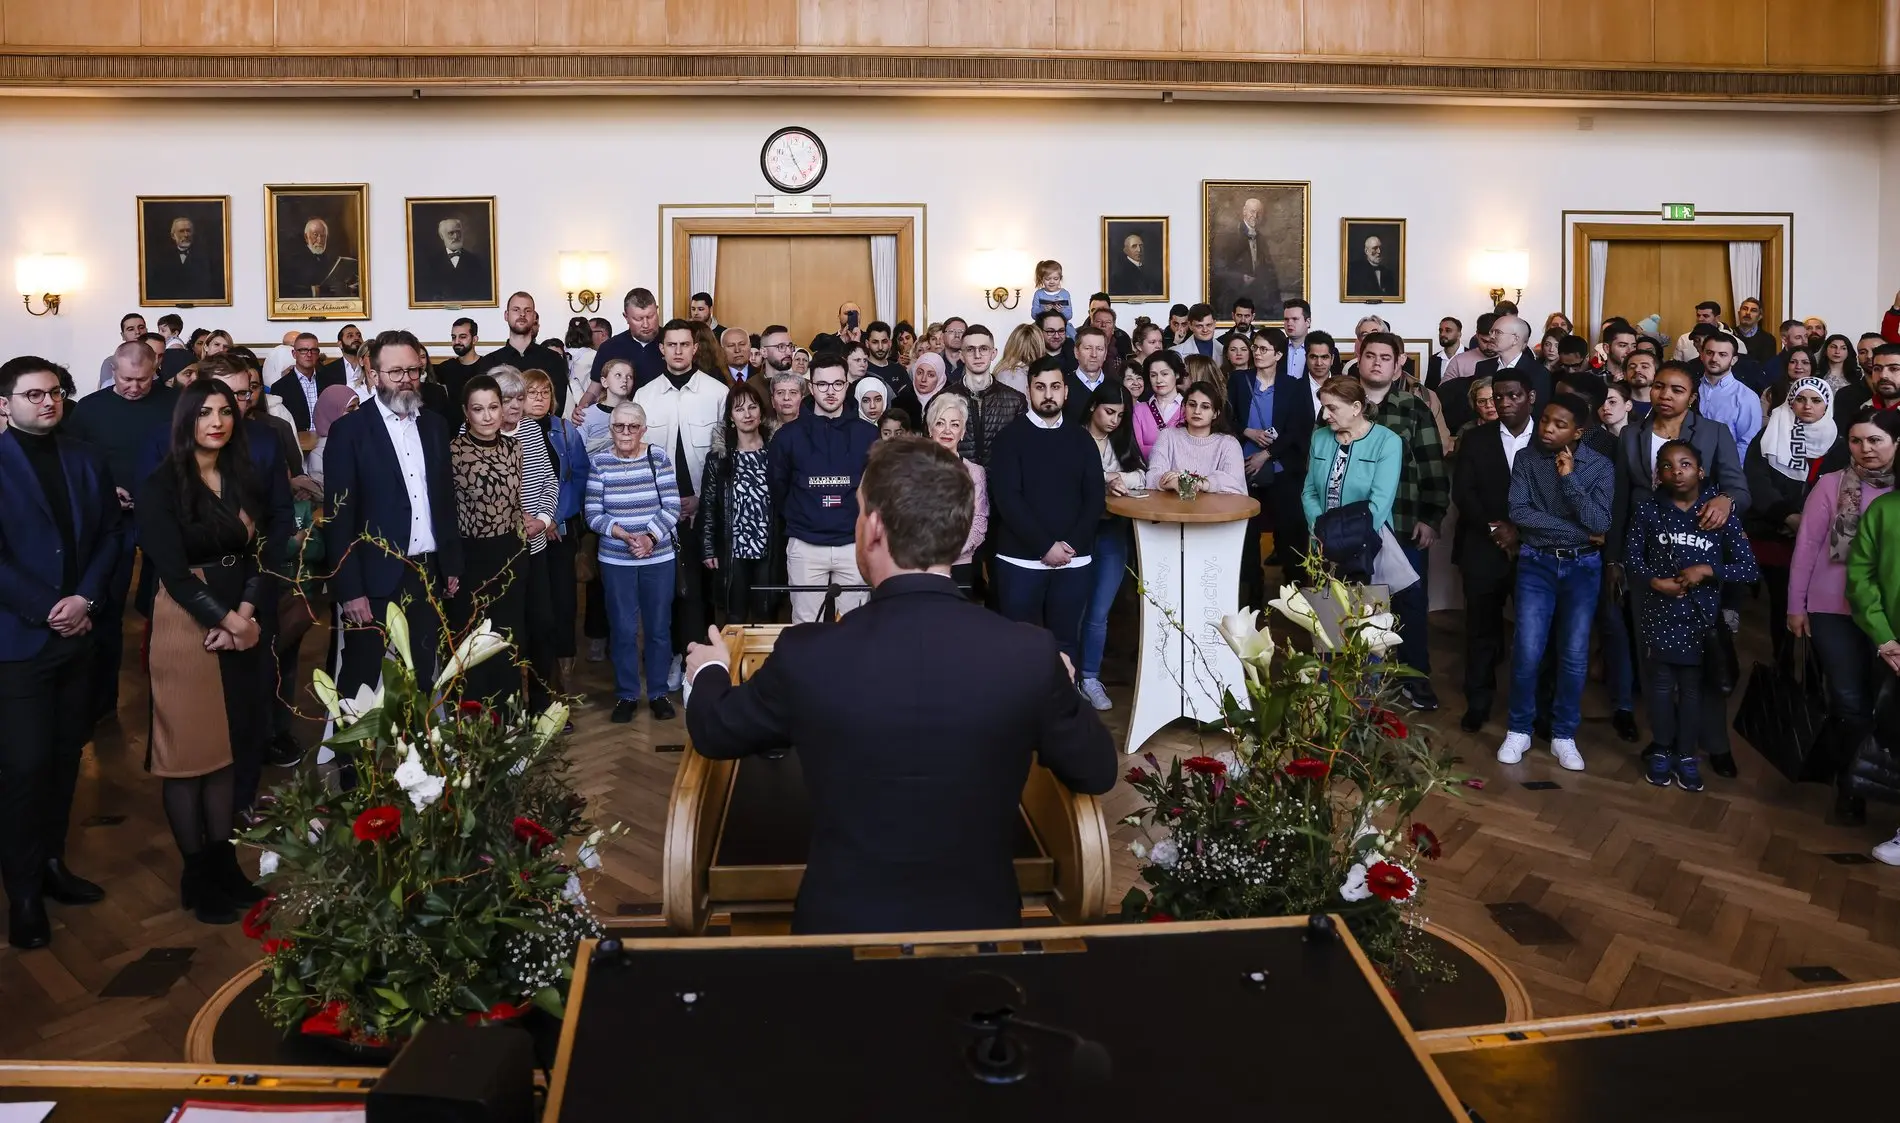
[[487, 471]]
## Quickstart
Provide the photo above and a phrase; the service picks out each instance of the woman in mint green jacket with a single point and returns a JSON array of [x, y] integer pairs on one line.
[[1351, 458]]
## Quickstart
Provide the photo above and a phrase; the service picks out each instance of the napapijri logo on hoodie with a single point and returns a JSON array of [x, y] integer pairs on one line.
[[827, 481]]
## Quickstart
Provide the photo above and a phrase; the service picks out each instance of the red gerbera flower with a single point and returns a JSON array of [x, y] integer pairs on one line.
[[1159, 918], [1425, 842], [378, 824], [272, 947], [1391, 882], [1204, 766], [469, 707], [499, 1012], [1390, 725], [254, 926], [534, 834], [324, 1023], [1307, 768], [1135, 776]]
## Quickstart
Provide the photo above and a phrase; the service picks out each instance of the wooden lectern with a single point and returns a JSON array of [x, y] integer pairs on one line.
[[737, 832]]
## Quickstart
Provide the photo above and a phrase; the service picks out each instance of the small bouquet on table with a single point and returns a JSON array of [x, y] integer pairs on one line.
[[1189, 484]]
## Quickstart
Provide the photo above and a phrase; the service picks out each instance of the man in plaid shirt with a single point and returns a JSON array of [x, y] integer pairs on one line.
[[1423, 500]]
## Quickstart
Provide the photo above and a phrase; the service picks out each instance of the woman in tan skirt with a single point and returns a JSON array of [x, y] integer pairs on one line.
[[202, 518]]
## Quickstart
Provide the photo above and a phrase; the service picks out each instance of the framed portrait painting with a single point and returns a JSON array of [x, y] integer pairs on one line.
[[1372, 261], [1254, 243], [452, 253], [1135, 259], [184, 250], [316, 251]]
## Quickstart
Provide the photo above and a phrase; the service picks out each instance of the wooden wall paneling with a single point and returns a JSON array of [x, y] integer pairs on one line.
[[826, 271], [1598, 31], [77, 23], [599, 23], [863, 23], [207, 23], [1632, 281], [330, 24], [993, 25], [1132, 25], [738, 23], [1386, 28], [1478, 29], [1241, 27], [1830, 33], [1691, 272], [1712, 32], [468, 23], [754, 281]]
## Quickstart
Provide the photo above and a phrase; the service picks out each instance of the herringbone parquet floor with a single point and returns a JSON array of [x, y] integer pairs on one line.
[[1669, 896]]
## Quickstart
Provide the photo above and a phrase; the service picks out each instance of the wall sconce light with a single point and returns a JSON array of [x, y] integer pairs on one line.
[[584, 276], [991, 266], [47, 276], [1000, 297], [1499, 270]]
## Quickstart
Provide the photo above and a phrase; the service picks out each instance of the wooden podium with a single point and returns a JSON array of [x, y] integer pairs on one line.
[[737, 833], [1188, 555]]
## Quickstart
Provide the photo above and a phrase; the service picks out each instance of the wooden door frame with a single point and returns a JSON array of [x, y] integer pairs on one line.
[[902, 226], [1775, 239]]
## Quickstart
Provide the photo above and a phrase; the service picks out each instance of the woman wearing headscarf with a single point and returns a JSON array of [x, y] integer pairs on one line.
[[928, 378], [1783, 459], [873, 397]]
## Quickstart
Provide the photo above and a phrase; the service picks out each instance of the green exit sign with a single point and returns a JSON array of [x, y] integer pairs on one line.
[[1678, 212]]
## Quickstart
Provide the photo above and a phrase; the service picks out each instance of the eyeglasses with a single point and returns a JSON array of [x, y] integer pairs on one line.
[[829, 385], [304, 350], [626, 427], [776, 347], [39, 397], [1054, 331], [401, 374], [243, 395]]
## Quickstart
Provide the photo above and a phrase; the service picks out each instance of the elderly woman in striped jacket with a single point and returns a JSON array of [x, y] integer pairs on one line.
[[633, 503]]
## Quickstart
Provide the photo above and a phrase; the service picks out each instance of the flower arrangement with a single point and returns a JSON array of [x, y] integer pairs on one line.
[[438, 886], [1189, 484], [1311, 808]]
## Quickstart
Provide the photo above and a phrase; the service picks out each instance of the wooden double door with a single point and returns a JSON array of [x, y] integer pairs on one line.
[[798, 280], [1668, 278]]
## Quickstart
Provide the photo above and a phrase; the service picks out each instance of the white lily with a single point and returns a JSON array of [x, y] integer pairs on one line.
[[1355, 888], [397, 625], [1166, 853], [549, 724], [1236, 767], [1252, 643], [325, 688], [1139, 849], [267, 863], [422, 788], [367, 701], [588, 857], [479, 646], [1294, 606]]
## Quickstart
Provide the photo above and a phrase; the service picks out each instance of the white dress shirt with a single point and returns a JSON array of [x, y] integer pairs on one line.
[[1514, 445], [407, 438]]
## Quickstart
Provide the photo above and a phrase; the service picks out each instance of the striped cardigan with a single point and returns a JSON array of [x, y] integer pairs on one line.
[[641, 495]]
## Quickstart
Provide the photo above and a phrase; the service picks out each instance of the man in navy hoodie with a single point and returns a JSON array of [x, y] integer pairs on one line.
[[813, 466], [1046, 499]]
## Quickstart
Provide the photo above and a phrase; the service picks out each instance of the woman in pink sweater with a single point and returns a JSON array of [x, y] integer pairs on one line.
[[1202, 446], [1163, 407], [1817, 586]]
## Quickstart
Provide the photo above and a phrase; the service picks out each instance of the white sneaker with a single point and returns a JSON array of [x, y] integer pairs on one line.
[[1514, 747], [596, 651], [1566, 753], [675, 674], [1092, 690], [1888, 851]]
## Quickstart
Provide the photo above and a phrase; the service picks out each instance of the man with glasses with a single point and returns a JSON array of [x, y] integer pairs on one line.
[[59, 545], [684, 407], [1055, 340], [813, 466], [299, 387], [775, 349], [131, 330], [387, 477], [120, 423]]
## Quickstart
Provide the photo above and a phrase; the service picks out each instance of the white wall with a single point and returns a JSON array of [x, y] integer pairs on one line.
[[1027, 175]]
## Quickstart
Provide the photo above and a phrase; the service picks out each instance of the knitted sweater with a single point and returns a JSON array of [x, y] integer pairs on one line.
[[1045, 487], [1663, 541], [1873, 571], [1215, 456], [640, 494], [1816, 582]]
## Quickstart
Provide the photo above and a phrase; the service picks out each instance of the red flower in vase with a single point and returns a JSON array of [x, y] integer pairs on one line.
[[378, 824], [470, 707], [272, 947], [1307, 768], [325, 1022], [499, 1012], [534, 834], [1135, 776], [1390, 725], [254, 926], [1204, 766], [1425, 842], [1391, 882]]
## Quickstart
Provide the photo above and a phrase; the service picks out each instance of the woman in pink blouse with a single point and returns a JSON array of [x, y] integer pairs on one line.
[[1201, 445], [945, 420], [1163, 408], [1817, 585]]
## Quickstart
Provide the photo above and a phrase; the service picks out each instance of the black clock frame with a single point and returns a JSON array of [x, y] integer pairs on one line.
[[824, 160]]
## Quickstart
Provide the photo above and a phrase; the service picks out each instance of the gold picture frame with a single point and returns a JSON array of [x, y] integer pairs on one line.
[[327, 278], [474, 279], [1361, 280], [1287, 224], [1125, 280], [196, 273]]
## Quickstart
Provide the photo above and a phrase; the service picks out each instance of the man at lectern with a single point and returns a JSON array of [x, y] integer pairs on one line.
[[914, 794]]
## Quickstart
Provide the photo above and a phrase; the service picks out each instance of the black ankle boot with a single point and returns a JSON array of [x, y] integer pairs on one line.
[[28, 926], [199, 892], [230, 877], [1849, 810]]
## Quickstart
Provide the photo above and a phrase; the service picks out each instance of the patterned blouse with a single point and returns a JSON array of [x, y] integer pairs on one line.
[[487, 486], [750, 520]]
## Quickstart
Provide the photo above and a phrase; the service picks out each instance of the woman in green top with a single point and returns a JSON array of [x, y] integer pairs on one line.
[[1351, 458], [1873, 590]]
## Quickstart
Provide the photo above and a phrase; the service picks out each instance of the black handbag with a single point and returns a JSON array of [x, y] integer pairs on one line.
[[1875, 770], [1348, 540], [672, 536], [1782, 715]]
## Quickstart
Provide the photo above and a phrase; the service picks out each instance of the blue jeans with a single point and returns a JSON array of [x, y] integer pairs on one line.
[[1556, 600], [1110, 563], [1412, 606], [638, 594]]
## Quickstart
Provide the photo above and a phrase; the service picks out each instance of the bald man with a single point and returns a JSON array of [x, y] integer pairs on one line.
[[850, 330]]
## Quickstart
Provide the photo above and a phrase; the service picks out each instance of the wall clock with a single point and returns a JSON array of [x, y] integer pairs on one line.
[[793, 159]]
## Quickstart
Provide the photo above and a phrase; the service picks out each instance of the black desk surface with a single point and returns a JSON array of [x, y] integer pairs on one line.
[[1819, 1066], [790, 1029]]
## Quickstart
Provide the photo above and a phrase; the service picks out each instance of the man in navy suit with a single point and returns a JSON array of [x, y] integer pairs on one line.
[[914, 799], [59, 543], [387, 476]]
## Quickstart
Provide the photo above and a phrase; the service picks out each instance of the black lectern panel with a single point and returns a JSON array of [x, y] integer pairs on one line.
[[1246, 1019], [1805, 1066]]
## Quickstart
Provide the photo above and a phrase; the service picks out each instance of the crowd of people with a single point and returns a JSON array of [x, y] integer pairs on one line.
[[610, 494]]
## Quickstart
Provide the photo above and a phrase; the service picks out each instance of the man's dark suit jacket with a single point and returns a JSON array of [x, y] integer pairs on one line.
[[363, 491], [1361, 282], [31, 568], [437, 280], [290, 391], [1292, 416], [1232, 263], [914, 795], [196, 278], [1126, 279], [1481, 489], [1456, 401]]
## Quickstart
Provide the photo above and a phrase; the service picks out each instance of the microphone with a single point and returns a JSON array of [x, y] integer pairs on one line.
[[998, 1056]]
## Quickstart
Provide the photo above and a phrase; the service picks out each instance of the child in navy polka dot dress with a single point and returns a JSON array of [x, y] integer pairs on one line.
[[1678, 566]]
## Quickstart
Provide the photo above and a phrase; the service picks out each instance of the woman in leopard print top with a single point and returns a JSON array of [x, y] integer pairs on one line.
[[487, 471]]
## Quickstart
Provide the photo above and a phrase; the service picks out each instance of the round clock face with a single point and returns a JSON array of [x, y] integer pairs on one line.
[[793, 159]]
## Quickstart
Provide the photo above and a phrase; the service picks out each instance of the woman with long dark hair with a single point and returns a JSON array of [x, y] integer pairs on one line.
[[1835, 361], [738, 529], [203, 525], [1123, 472], [488, 513]]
